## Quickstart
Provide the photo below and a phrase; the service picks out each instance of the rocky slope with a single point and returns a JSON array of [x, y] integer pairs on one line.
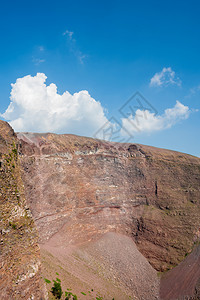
[[85, 187], [95, 204], [78, 189], [20, 266], [111, 266], [183, 282]]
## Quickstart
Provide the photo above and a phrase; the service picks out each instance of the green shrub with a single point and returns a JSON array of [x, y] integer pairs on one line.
[[47, 280], [68, 296], [14, 152], [57, 289]]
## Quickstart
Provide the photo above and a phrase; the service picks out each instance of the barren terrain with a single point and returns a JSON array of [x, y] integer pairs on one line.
[[113, 220], [80, 189]]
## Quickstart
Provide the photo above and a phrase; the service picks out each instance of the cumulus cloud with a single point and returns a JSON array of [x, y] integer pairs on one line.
[[146, 122], [166, 77], [38, 107]]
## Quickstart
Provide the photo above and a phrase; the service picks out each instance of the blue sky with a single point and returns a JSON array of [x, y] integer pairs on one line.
[[111, 49]]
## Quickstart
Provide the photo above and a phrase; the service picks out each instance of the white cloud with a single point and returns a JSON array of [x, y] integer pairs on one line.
[[38, 61], [81, 56], [166, 77], [146, 122], [68, 33], [73, 46], [193, 91], [38, 107]]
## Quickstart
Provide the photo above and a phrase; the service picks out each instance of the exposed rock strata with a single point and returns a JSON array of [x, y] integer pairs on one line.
[[20, 266], [78, 190], [84, 188]]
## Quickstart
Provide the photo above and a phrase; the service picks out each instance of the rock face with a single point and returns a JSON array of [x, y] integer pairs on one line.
[[95, 204], [85, 188], [183, 282], [20, 266]]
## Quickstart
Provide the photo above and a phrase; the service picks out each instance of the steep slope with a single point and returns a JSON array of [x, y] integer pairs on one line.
[[110, 265], [20, 266], [183, 282], [85, 188], [93, 202]]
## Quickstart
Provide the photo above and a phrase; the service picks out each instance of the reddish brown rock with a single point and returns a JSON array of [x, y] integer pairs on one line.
[[84, 188], [20, 265], [111, 266], [183, 282], [78, 191]]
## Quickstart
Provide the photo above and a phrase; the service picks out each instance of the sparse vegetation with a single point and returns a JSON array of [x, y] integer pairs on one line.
[[57, 289], [69, 295], [57, 292], [13, 225]]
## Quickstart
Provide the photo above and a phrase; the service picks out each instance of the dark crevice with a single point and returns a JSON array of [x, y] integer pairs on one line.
[[156, 189]]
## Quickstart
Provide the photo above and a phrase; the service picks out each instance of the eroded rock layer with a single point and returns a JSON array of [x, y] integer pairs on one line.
[[20, 266], [84, 188]]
